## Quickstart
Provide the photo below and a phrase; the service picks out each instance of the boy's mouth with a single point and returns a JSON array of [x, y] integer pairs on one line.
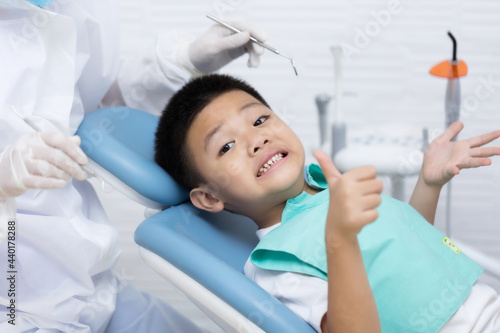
[[269, 163]]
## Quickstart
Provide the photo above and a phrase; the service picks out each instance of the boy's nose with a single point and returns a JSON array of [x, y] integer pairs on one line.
[[259, 144]]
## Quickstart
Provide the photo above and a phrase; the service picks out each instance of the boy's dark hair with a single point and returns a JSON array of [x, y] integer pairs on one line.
[[171, 151]]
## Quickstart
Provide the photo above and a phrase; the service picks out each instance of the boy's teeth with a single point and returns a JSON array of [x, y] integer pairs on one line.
[[268, 164]]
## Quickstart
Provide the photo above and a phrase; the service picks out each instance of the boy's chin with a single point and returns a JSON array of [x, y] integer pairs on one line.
[[287, 181]]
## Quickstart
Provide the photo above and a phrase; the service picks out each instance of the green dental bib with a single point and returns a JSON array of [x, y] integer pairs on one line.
[[417, 275]]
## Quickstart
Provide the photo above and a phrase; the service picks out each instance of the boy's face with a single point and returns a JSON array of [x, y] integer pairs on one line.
[[231, 142]]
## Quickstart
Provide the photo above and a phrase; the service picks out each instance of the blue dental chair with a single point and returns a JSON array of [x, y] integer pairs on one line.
[[200, 253]]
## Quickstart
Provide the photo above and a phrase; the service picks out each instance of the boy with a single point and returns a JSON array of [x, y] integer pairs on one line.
[[390, 269]]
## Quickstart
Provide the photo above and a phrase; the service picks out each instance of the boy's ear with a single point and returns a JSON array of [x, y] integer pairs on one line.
[[205, 200]]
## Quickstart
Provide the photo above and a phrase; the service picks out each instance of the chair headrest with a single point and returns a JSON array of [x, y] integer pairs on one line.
[[121, 140]]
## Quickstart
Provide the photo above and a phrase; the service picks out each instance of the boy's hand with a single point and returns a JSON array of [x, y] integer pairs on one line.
[[443, 158], [354, 198]]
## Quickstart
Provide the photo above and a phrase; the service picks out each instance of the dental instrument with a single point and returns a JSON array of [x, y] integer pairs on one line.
[[451, 70], [256, 41], [37, 129]]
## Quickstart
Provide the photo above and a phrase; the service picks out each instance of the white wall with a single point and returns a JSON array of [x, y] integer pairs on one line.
[[388, 72]]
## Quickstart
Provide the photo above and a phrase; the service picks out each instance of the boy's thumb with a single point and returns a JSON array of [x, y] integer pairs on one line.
[[327, 166]]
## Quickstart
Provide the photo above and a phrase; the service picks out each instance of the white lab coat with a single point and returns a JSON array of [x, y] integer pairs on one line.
[[56, 65]]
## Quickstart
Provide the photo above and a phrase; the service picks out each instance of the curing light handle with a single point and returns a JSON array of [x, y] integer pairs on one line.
[[452, 102]]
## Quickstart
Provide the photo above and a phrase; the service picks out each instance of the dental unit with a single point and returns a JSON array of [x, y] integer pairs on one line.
[[382, 146]]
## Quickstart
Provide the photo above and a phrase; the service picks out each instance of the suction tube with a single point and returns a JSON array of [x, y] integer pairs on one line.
[[322, 102], [338, 137]]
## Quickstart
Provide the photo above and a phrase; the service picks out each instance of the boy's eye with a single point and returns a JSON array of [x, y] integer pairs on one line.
[[261, 120], [226, 148]]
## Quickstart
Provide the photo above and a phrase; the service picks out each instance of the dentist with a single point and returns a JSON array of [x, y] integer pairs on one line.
[[58, 62]]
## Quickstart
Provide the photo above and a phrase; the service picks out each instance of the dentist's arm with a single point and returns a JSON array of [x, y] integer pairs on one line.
[[148, 81], [443, 159], [354, 197], [43, 160]]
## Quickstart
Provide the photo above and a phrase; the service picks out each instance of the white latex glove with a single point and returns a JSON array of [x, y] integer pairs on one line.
[[218, 46], [43, 160]]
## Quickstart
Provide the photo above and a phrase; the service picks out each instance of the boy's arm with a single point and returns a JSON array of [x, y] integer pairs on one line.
[[443, 159], [425, 199], [353, 199]]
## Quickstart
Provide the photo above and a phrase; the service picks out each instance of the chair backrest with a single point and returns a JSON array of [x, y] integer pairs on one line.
[[225, 236], [121, 141]]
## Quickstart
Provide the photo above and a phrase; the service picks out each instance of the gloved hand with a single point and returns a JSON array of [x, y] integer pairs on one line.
[[40, 160], [218, 46]]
